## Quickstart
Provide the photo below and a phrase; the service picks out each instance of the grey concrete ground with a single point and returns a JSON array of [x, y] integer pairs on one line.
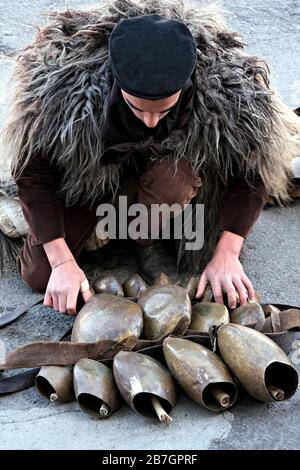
[[271, 31]]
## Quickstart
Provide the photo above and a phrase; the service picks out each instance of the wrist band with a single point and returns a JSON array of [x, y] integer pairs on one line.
[[62, 262], [84, 286]]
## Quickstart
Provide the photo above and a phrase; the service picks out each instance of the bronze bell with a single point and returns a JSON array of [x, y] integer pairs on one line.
[[202, 374], [166, 309], [134, 286], [106, 316], [146, 386], [260, 365], [95, 388], [55, 383], [208, 295], [250, 314], [108, 284], [162, 280], [208, 314]]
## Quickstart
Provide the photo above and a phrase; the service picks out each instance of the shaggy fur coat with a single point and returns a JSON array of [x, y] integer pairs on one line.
[[64, 78]]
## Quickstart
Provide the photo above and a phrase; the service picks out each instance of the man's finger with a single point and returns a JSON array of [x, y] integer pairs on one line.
[[62, 303], [249, 287], [201, 286], [231, 293], [48, 302], [71, 302], [55, 302], [217, 291], [243, 295]]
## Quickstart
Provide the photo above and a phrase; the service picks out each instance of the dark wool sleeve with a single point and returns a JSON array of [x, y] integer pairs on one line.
[[37, 186], [242, 205]]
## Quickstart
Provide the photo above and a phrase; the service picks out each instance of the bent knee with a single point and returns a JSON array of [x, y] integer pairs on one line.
[[35, 276]]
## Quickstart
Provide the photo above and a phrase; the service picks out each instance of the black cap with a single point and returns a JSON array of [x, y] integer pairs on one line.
[[152, 57]]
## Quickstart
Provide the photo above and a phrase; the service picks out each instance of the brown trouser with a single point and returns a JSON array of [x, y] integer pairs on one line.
[[159, 184]]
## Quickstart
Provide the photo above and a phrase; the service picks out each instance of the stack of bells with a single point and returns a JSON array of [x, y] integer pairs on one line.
[[202, 347]]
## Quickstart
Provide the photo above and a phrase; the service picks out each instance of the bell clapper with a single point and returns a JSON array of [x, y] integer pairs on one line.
[[161, 413], [275, 392], [222, 397], [53, 397], [104, 410]]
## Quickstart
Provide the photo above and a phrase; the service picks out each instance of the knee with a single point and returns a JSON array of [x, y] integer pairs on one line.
[[35, 276]]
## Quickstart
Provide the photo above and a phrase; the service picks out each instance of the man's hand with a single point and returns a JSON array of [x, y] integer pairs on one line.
[[65, 280], [64, 286], [225, 272]]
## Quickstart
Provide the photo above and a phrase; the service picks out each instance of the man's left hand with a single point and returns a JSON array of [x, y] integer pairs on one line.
[[225, 273]]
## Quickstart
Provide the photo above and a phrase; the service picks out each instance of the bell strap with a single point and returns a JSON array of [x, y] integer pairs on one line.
[[23, 380], [18, 382], [11, 313], [281, 321], [46, 353]]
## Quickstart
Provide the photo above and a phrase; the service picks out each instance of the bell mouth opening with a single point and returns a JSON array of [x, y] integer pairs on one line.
[[142, 404], [92, 405], [44, 387], [281, 381], [219, 396]]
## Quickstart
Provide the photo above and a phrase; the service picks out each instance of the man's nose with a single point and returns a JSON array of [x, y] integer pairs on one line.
[[151, 120]]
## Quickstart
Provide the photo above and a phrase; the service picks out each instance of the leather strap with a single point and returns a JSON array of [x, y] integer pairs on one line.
[[276, 322], [18, 382], [289, 319], [13, 313], [285, 320], [280, 307], [285, 339], [23, 380], [46, 353], [59, 353]]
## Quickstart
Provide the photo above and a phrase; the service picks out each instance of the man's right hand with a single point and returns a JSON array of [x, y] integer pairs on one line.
[[64, 286], [65, 280]]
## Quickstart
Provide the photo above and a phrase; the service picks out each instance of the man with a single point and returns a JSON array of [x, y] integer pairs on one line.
[[124, 91]]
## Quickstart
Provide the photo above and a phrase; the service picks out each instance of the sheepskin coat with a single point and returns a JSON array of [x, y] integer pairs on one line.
[[64, 78]]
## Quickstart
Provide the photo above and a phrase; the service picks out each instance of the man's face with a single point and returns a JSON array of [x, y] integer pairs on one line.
[[150, 111]]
